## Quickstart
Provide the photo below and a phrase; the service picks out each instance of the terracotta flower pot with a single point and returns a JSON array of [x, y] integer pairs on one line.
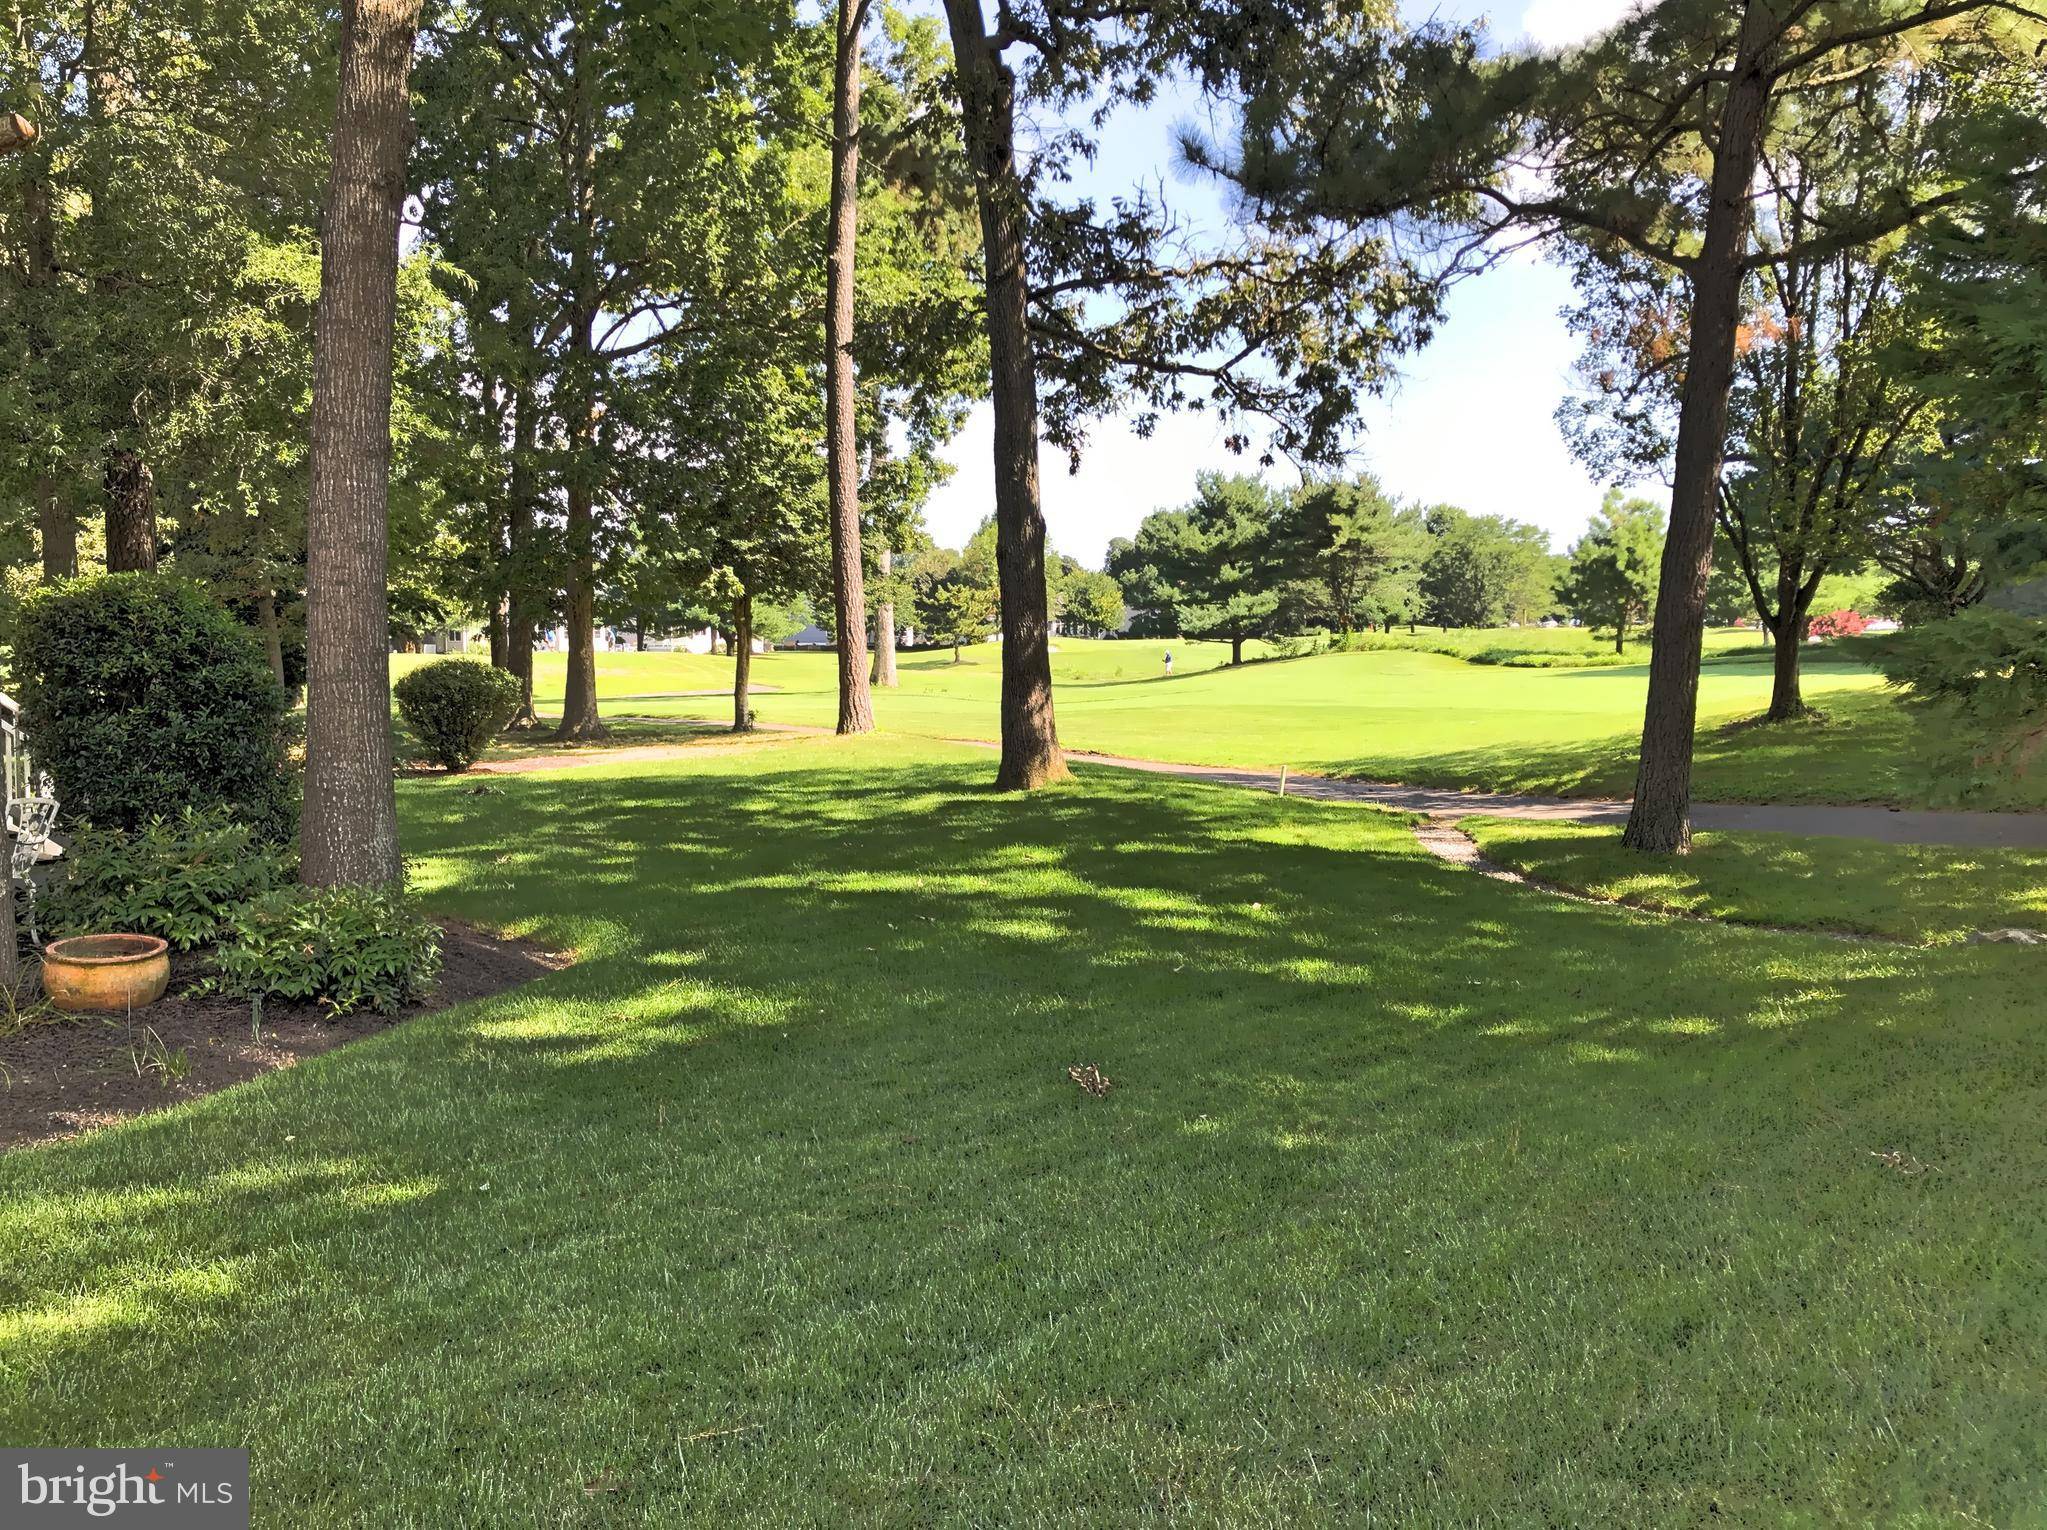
[[106, 972]]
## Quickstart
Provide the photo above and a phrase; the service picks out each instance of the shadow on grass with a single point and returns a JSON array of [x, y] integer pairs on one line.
[[779, 1202]]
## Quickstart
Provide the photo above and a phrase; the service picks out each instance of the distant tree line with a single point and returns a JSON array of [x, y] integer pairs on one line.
[[1245, 559]]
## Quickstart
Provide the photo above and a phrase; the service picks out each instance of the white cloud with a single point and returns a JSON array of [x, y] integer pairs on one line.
[[1559, 23]]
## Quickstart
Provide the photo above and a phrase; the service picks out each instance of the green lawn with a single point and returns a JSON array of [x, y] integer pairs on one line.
[[1419, 717], [1418, 1198], [1927, 893]]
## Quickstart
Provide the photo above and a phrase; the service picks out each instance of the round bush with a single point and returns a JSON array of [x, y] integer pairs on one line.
[[455, 707], [144, 698]]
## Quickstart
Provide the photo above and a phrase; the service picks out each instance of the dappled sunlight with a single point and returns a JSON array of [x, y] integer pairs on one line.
[[798, 1129], [142, 1301]]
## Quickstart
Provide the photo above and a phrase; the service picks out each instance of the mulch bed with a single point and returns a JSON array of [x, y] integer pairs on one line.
[[62, 1075]]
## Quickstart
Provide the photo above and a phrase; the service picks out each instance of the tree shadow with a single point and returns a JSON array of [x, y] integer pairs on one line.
[[791, 1150]]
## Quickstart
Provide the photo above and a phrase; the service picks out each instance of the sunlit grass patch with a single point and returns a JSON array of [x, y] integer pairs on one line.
[[1414, 1196]]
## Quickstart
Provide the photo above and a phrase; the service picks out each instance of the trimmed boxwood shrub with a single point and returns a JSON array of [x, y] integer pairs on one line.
[[455, 707], [143, 697]]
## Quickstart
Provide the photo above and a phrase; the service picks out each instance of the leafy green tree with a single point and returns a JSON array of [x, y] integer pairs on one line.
[[1217, 561], [175, 168], [1966, 511], [614, 177], [956, 599], [1092, 604], [1647, 143], [1360, 554], [1482, 570], [1092, 306], [728, 485], [1613, 570]]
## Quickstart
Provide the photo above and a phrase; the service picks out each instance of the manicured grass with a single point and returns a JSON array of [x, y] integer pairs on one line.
[[1407, 716], [1418, 1198], [1925, 893]]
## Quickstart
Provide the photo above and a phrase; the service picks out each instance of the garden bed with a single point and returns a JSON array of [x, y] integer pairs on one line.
[[61, 1075]]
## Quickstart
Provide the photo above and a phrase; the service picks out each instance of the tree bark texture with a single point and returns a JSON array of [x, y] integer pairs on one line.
[[58, 526], [885, 627], [273, 635], [349, 834], [523, 610], [579, 697], [59, 531], [842, 452], [741, 642], [1660, 821], [131, 513], [1030, 736]]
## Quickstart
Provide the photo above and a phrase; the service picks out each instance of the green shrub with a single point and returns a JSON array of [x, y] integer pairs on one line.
[[455, 707], [143, 697], [180, 878], [348, 947], [1983, 674], [1512, 647], [1541, 658]]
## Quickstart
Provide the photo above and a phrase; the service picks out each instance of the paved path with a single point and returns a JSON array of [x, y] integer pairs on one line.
[[1991, 831], [1909, 826]]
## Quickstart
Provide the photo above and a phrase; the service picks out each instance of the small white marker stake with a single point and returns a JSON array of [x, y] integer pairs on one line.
[[1282, 780]]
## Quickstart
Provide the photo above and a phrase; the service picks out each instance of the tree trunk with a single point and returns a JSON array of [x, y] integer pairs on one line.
[[1660, 821], [60, 532], [842, 452], [1236, 650], [1620, 635], [640, 635], [579, 690], [500, 643], [579, 701], [349, 834], [1787, 700], [58, 525], [1794, 624], [885, 627], [131, 513], [522, 615], [742, 663], [273, 635], [1030, 736]]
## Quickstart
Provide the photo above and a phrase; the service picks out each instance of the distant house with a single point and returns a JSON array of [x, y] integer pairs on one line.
[[698, 640], [450, 640]]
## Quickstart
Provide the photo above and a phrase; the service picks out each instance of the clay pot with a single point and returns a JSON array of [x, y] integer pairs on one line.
[[106, 972]]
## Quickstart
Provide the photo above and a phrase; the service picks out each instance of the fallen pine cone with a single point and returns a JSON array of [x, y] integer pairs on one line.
[[1092, 1080]]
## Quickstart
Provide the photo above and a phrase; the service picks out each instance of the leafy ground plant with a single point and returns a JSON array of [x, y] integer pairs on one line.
[[180, 878], [347, 947]]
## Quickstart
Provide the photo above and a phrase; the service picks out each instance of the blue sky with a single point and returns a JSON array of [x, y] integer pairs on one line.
[[1470, 423]]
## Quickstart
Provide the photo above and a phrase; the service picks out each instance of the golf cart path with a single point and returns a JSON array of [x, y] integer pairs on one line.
[[1894, 826]]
